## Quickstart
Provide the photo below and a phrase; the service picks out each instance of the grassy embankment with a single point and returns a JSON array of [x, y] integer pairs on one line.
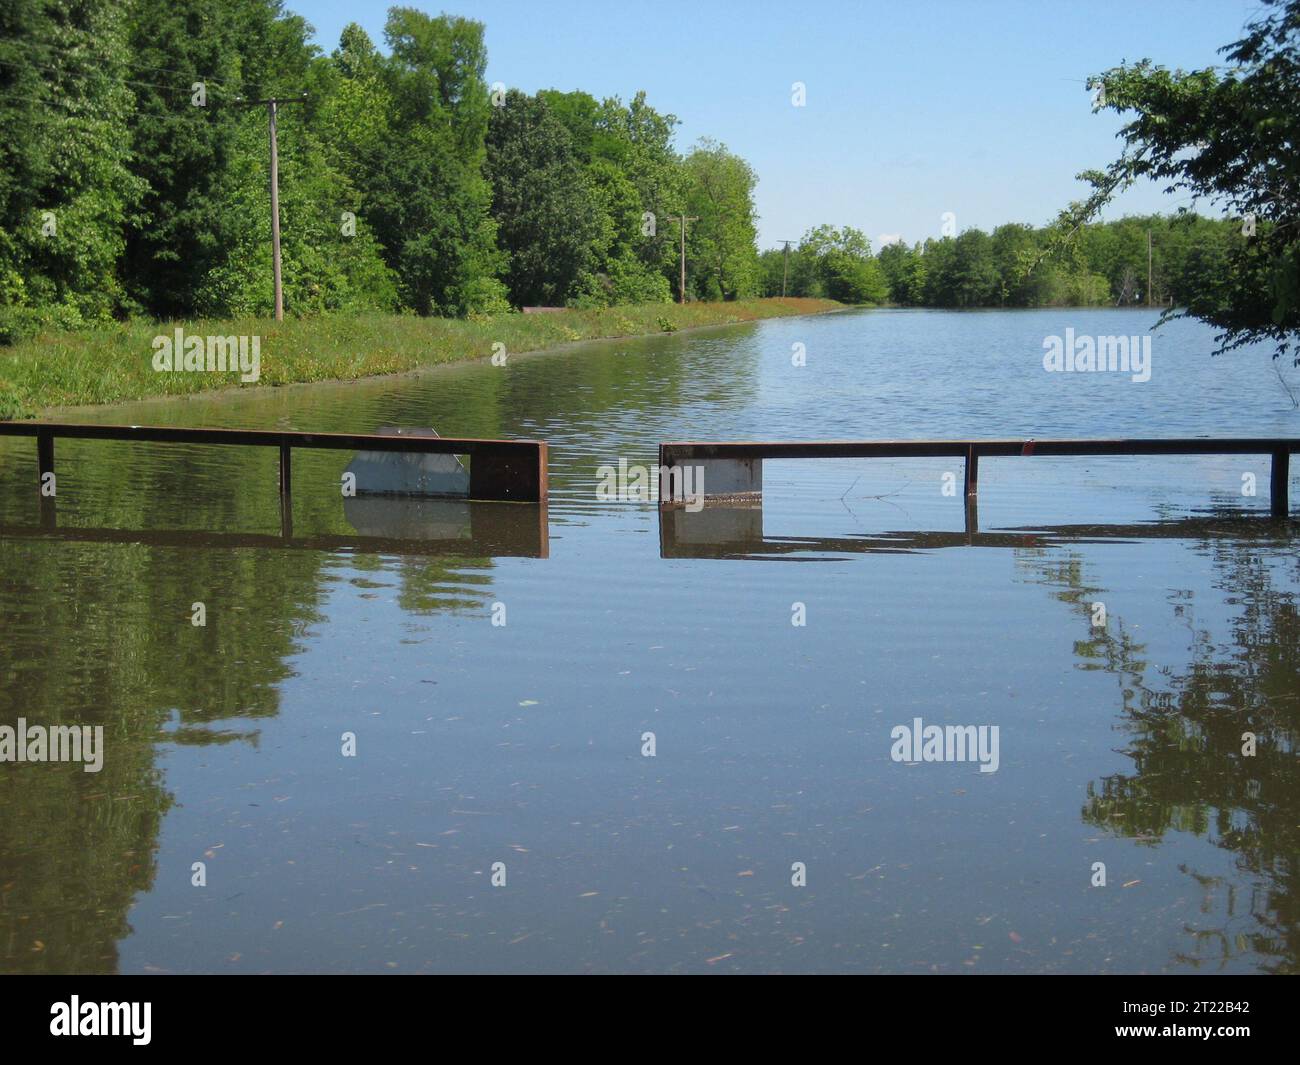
[[115, 362]]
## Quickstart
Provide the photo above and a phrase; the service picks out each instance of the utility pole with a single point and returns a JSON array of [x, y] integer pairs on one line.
[[1148, 268], [272, 106], [785, 266], [683, 219]]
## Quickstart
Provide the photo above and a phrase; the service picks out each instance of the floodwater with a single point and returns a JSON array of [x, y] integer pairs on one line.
[[502, 809]]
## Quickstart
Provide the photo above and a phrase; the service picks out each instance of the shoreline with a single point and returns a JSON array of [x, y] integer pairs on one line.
[[65, 372], [212, 395]]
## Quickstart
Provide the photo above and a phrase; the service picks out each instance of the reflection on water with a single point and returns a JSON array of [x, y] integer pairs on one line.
[[383, 524], [521, 741], [726, 531], [1187, 731]]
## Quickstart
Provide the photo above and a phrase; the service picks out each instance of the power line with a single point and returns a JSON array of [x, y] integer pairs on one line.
[[68, 105], [145, 66], [64, 72]]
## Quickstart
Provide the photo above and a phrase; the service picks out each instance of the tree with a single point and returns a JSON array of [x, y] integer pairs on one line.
[[618, 272], [841, 260], [635, 183], [331, 262], [542, 201], [961, 272], [904, 271], [67, 199], [430, 200], [1230, 136], [639, 140], [181, 138], [1014, 248], [721, 247], [27, 118]]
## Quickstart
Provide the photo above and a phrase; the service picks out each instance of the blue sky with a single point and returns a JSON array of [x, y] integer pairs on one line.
[[914, 107]]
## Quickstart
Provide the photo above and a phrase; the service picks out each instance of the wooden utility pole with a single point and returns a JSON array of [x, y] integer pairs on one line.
[[683, 219], [272, 106], [785, 266]]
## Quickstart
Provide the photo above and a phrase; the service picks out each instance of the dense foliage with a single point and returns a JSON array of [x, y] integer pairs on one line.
[[134, 182], [1227, 135], [1105, 264], [134, 173]]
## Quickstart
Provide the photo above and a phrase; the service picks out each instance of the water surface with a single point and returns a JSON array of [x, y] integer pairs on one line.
[[522, 743]]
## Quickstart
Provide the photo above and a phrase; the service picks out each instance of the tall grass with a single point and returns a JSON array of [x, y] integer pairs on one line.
[[113, 363]]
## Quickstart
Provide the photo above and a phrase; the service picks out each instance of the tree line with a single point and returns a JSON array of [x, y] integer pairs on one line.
[[134, 182], [134, 173], [1100, 264]]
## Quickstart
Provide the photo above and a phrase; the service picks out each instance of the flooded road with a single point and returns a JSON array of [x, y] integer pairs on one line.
[[598, 739]]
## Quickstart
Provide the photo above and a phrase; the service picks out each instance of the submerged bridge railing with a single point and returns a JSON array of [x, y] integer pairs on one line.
[[734, 469], [504, 470]]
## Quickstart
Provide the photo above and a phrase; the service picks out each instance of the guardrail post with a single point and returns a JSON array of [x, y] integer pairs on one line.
[[44, 456], [972, 471], [1279, 483], [286, 489], [44, 465], [512, 474]]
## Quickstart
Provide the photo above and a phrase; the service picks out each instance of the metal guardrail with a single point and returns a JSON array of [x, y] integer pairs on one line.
[[513, 470], [500, 470], [740, 462]]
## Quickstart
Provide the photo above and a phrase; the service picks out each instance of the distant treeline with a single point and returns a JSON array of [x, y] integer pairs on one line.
[[1102, 264], [134, 173]]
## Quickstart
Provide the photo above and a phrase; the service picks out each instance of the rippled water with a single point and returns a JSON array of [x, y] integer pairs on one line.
[[522, 743]]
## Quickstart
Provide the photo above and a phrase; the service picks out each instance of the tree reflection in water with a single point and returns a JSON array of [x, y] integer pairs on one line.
[[1184, 729]]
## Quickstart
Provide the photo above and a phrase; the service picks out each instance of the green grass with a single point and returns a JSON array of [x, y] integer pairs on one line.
[[112, 363]]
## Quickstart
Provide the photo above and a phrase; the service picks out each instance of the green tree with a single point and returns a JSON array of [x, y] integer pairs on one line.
[[973, 278], [542, 201], [26, 125], [619, 273], [1229, 136], [635, 182], [331, 261], [428, 200], [639, 141], [842, 262], [904, 271], [189, 62], [68, 198], [722, 254]]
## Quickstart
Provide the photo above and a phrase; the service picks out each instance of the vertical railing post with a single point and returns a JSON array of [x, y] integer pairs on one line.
[[513, 474], [972, 470], [1279, 483], [44, 456], [286, 489], [44, 465]]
